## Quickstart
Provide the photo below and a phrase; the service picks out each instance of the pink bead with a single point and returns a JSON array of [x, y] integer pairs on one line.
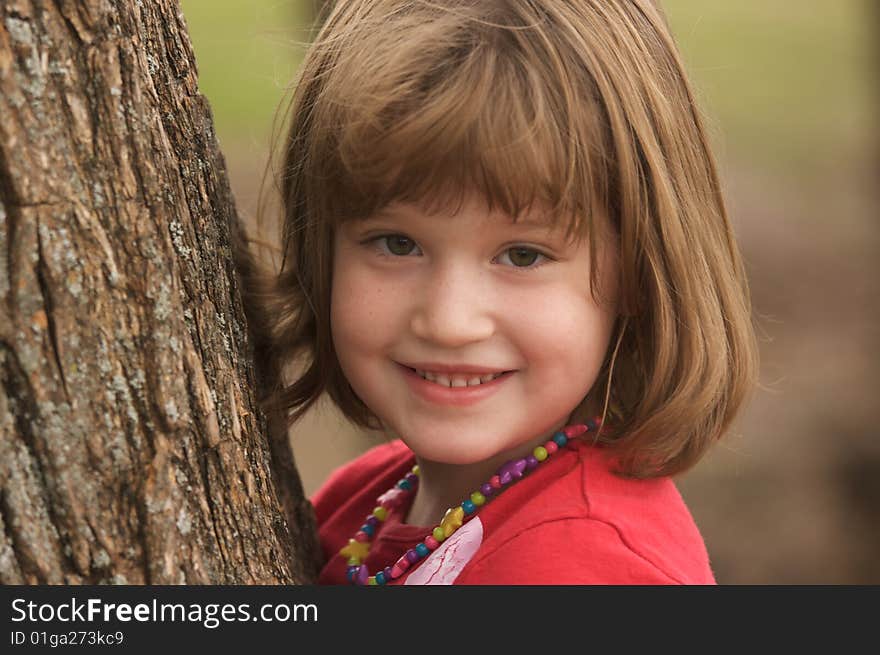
[[361, 536], [391, 498], [431, 543], [574, 430], [400, 567], [551, 447], [495, 481]]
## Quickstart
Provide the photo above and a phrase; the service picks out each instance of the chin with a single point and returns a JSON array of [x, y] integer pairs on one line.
[[462, 455]]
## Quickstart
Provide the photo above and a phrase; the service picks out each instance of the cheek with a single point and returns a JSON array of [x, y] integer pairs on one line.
[[360, 311], [568, 344], [346, 310]]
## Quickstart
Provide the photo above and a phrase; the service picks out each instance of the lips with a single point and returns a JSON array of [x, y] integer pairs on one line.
[[440, 394]]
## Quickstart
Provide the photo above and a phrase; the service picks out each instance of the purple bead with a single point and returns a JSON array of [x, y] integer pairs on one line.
[[372, 521], [362, 574], [511, 471], [412, 556], [412, 478], [487, 489], [531, 462], [387, 572]]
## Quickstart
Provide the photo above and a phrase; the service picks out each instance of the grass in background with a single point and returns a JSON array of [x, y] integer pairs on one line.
[[790, 85], [247, 54]]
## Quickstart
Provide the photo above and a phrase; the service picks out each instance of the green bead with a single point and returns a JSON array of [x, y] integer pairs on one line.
[[540, 453], [380, 513], [477, 498], [372, 580], [354, 561], [438, 533]]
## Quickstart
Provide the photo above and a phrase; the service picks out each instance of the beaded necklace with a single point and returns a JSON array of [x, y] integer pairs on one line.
[[357, 548]]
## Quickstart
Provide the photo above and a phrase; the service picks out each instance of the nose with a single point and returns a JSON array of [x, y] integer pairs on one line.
[[454, 307]]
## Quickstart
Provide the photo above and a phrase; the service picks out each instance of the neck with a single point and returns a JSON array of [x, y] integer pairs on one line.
[[442, 485]]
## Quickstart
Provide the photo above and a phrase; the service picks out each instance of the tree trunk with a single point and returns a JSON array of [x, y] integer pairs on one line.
[[131, 446]]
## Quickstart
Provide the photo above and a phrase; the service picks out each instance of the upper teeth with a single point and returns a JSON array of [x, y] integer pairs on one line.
[[457, 380]]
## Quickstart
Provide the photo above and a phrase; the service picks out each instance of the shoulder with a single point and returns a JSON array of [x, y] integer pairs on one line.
[[649, 516], [368, 469], [590, 526]]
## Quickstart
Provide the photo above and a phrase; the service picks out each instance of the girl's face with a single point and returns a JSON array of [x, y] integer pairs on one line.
[[467, 296]]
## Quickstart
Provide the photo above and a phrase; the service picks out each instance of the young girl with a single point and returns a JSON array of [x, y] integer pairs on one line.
[[505, 245]]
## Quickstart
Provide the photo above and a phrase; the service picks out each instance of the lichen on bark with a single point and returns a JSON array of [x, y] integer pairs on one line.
[[132, 449]]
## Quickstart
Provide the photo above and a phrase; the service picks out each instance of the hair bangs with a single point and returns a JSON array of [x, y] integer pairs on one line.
[[484, 124]]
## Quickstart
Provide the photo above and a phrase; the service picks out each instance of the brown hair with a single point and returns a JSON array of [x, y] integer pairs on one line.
[[582, 106]]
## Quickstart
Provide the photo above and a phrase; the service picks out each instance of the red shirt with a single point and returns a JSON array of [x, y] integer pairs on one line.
[[570, 521]]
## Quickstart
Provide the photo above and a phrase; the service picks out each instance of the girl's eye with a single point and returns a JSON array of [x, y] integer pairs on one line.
[[395, 244], [522, 257]]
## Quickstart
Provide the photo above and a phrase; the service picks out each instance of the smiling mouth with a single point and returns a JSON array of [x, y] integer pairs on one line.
[[457, 380]]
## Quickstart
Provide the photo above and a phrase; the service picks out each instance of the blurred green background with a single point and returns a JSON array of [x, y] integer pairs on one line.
[[792, 495]]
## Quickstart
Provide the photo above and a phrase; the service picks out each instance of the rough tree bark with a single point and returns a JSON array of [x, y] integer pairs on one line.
[[131, 447]]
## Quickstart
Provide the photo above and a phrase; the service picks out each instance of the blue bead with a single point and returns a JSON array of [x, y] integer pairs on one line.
[[468, 506], [560, 439], [380, 578], [404, 484], [422, 550], [592, 425], [350, 573], [369, 529]]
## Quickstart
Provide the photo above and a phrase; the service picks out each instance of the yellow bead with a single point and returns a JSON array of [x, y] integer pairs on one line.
[[540, 453], [452, 520], [415, 469], [380, 513], [355, 549], [372, 580], [477, 498], [438, 533], [354, 561]]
